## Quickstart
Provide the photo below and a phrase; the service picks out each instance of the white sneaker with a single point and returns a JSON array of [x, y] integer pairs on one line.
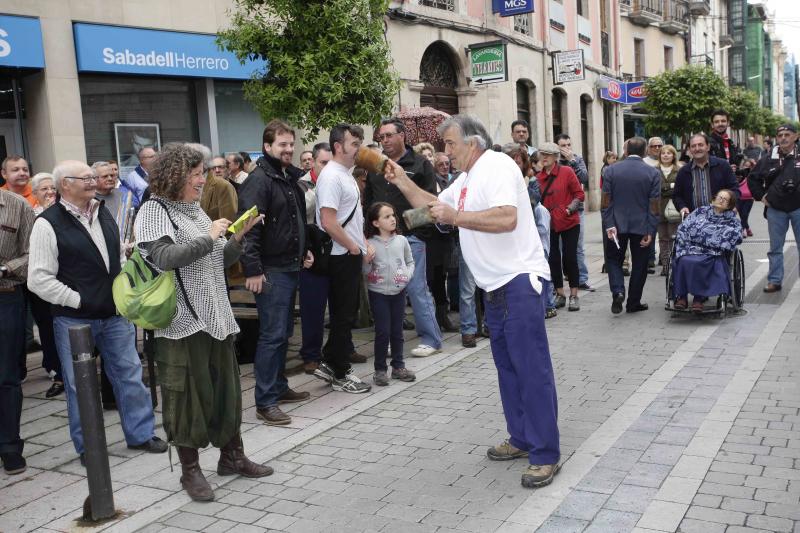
[[423, 350]]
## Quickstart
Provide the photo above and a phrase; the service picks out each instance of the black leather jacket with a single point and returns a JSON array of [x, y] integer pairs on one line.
[[279, 244]]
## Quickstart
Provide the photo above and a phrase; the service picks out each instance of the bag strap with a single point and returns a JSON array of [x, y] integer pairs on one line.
[[547, 187], [177, 270], [349, 218]]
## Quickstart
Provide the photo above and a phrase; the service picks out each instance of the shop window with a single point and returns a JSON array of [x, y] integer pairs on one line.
[[438, 72], [638, 58], [239, 125], [106, 100]]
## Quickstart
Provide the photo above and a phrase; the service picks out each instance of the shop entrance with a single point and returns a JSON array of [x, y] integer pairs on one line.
[[11, 141]]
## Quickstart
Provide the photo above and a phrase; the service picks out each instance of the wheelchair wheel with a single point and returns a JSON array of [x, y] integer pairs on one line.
[[669, 280], [737, 280]]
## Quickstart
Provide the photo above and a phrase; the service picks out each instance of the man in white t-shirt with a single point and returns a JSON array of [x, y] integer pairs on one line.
[[339, 214], [489, 204]]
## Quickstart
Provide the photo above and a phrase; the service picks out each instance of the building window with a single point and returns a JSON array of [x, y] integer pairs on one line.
[[583, 8], [522, 24], [526, 101], [447, 5], [238, 125], [559, 115], [638, 58], [438, 72], [668, 64], [586, 103], [737, 66]]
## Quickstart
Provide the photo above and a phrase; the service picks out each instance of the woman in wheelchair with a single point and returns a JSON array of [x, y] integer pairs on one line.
[[704, 239]]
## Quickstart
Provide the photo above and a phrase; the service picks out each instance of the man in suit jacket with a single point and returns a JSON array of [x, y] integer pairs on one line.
[[700, 180], [630, 205]]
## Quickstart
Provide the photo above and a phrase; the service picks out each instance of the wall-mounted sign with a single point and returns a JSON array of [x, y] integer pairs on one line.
[[509, 8], [624, 92], [488, 62], [568, 66], [154, 52], [21, 42]]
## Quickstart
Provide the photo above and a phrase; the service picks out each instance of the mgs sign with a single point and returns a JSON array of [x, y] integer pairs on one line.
[[509, 8]]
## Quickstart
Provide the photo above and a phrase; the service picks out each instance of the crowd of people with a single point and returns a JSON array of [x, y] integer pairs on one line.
[[505, 229]]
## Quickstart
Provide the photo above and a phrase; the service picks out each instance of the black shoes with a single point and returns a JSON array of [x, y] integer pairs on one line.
[[616, 303], [408, 325], [13, 463], [636, 308], [154, 445], [55, 389]]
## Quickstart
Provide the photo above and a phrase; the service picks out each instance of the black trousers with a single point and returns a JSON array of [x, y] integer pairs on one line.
[[614, 258], [437, 259], [568, 257], [344, 272], [44, 320], [12, 344]]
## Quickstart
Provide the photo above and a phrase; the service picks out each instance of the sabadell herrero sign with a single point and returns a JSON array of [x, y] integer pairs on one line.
[[101, 48]]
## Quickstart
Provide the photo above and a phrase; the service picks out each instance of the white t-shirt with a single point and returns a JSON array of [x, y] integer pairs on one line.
[[496, 258], [337, 189]]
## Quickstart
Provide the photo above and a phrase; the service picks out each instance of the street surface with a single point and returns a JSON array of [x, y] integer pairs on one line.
[[667, 424]]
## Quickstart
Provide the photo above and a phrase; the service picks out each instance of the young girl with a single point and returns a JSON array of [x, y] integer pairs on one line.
[[387, 277]]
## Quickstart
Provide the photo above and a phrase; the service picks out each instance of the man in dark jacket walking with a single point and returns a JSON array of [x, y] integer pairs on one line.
[[776, 182], [630, 204], [274, 254], [392, 134], [701, 179], [722, 145]]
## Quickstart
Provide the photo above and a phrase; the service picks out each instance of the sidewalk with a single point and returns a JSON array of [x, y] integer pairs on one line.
[[667, 424]]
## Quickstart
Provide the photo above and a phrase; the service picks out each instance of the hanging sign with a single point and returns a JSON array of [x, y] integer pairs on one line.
[[623, 92], [509, 8], [568, 66]]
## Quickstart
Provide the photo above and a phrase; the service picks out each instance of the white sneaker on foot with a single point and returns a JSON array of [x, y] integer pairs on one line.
[[423, 350]]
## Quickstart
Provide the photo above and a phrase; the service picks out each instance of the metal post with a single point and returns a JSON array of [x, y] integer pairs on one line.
[[98, 473]]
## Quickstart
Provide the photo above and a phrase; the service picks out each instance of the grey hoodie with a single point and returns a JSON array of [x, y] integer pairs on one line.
[[392, 267]]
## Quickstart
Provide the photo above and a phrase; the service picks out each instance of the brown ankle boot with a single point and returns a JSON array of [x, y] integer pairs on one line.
[[233, 461], [193, 480]]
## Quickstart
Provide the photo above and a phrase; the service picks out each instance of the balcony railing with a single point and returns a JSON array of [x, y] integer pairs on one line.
[[605, 49], [725, 35], [703, 59], [646, 12], [522, 24], [700, 7], [676, 18], [447, 5]]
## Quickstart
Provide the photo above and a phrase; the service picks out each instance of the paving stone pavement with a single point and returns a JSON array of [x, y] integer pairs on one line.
[[667, 424]]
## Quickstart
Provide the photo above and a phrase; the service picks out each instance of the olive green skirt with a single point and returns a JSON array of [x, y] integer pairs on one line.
[[200, 390]]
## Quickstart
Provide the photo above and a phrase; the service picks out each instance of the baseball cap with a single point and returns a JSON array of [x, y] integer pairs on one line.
[[786, 127]]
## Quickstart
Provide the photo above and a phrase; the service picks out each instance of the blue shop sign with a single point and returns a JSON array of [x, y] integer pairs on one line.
[[125, 50], [509, 8], [21, 42], [631, 92]]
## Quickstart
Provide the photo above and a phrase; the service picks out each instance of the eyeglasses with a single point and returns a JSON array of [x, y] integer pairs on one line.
[[656, 145], [84, 179], [385, 136]]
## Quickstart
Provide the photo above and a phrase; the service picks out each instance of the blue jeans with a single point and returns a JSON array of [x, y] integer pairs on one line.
[[421, 299], [388, 310], [778, 225], [313, 300], [275, 305], [583, 271], [515, 316], [12, 346], [466, 298], [115, 337]]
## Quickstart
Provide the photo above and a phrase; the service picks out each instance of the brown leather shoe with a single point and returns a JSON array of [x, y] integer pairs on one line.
[[468, 340], [192, 478], [233, 461], [356, 357], [772, 287], [292, 396], [273, 416], [310, 366]]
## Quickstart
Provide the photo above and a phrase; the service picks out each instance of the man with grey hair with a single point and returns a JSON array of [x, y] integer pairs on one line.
[[654, 146], [489, 204], [118, 201], [234, 164], [137, 179], [75, 255]]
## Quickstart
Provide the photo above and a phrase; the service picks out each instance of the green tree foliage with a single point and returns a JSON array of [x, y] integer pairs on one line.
[[328, 60], [680, 101], [743, 106]]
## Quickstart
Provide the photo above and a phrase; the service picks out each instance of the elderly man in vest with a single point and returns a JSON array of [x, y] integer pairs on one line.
[[74, 257]]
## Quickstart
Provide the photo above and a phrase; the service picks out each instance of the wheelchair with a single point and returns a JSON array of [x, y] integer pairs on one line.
[[726, 304]]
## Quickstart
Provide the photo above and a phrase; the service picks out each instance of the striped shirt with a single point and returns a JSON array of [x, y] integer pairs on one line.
[[701, 185], [16, 221]]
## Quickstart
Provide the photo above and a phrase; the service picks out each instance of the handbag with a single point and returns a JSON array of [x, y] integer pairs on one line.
[[145, 296], [672, 215], [320, 244]]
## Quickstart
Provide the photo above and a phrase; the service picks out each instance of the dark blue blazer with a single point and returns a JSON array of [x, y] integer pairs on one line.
[[721, 176], [631, 184]]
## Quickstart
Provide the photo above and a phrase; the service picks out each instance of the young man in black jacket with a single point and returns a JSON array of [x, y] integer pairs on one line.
[[723, 146], [776, 182], [392, 134], [274, 254]]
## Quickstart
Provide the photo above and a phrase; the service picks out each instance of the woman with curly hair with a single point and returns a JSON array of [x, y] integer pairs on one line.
[[197, 367]]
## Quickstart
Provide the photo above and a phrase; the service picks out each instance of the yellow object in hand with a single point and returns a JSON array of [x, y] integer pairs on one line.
[[242, 220]]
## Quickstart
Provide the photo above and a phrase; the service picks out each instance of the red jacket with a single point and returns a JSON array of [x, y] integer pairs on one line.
[[564, 189]]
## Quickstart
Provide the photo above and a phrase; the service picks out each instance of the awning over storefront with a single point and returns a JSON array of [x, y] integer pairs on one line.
[[124, 50], [21, 42]]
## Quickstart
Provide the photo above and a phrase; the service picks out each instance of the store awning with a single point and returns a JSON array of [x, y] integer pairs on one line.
[[21, 42]]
